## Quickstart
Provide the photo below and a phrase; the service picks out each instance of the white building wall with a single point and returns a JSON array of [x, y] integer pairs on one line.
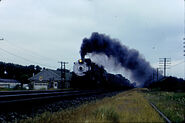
[[38, 86], [8, 84]]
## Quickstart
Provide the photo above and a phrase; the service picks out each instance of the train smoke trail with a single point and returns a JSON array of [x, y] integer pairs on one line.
[[129, 59]]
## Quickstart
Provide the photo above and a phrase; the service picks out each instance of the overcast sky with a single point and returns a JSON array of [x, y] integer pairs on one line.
[[45, 32]]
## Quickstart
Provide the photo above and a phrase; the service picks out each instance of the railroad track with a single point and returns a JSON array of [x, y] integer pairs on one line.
[[160, 113], [18, 99]]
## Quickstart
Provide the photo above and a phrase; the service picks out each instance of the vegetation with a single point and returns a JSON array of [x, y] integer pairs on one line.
[[6, 89], [172, 104], [168, 84], [18, 72], [128, 106]]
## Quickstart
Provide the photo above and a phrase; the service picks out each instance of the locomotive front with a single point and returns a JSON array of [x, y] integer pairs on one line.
[[88, 75], [81, 67]]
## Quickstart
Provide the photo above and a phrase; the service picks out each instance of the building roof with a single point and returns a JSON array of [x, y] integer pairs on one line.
[[9, 81], [48, 75]]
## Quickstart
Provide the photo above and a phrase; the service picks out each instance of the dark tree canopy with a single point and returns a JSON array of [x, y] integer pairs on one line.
[[18, 72], [169, 84]]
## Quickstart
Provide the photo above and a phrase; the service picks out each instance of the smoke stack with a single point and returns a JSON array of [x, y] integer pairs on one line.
[[130, 59]]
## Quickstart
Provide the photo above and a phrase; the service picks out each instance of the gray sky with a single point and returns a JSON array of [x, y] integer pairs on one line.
[[47, 31]]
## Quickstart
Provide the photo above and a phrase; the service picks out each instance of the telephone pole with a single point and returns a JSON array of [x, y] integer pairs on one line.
[[63, 74], [184, 38], [184, 56], [164, 64], [157, 74]]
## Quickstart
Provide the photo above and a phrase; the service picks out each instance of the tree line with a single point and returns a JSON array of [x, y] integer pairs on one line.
[[168, 84], [18, 72]]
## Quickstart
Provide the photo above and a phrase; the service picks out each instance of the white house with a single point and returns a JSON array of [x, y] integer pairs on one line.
[[8, 83], [49, 79]]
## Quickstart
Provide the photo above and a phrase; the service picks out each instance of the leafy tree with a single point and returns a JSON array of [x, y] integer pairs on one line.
[[18, 72]]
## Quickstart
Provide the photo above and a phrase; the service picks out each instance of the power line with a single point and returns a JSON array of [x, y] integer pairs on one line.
[[20, 57], [29, 52], [177, 64], [14, 46]]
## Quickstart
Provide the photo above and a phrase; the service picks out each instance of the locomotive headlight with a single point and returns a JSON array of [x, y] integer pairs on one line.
[[80, 61]]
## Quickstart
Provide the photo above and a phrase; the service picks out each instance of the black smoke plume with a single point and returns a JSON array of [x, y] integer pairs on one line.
[[130, 59]]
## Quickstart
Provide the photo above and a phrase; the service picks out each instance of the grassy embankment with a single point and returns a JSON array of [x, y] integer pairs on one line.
[[172, 104], [129, 106]]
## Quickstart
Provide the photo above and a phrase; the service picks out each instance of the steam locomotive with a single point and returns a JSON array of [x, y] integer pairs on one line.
[[88, 75]]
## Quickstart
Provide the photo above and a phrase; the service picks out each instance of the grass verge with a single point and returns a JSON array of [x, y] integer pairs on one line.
[[129, 106], [6, 89], [172, 104]]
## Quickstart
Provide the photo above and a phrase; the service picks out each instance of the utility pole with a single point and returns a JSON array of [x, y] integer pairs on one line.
[[184, 57], [157, 74], [153, 75], [164, 67], [63, 74], [164, 64], [184, 39]]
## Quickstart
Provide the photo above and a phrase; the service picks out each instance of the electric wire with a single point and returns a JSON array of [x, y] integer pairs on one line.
[[177, 64], [25, 59], [31, 52]]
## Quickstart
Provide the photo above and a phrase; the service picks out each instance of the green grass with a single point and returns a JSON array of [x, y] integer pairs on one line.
[[172, 104], [129, 106], [106, 114], [6, 89], [11, 89]]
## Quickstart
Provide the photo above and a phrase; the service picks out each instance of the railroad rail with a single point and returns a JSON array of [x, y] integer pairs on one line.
[[160, 113], [29, 91], [23, 98]]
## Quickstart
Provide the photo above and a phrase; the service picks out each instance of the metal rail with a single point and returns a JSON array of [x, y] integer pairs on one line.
[[7, 99], [30, 91], [167, 120]]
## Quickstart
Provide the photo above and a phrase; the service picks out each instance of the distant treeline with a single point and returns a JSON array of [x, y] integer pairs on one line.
[[168, 84], [18, 72]]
